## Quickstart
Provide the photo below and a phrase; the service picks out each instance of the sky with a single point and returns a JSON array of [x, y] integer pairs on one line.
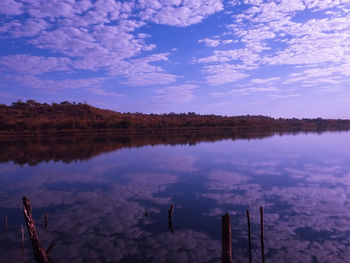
[[286, 58]]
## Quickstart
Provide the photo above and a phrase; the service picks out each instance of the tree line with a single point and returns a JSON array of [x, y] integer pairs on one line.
[[35, 117]]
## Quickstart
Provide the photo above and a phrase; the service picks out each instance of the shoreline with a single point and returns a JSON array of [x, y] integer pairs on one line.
[[123, 132]]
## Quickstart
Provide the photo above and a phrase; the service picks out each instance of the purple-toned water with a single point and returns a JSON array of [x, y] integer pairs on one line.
[[96, 200]]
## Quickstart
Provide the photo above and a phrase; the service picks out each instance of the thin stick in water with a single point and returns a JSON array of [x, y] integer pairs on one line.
[[249, 239], [262, 234], [170, 218], [226, 247]]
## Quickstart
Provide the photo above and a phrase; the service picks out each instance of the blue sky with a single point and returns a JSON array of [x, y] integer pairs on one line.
[[288, 58]]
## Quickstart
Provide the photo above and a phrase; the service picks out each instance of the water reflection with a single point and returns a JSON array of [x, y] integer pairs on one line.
[[96, 208], [34, 150]]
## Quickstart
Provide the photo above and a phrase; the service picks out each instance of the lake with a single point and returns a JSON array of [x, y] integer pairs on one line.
[[107, 198]]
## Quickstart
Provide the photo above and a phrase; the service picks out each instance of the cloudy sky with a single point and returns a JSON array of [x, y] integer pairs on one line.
[[279, 58]]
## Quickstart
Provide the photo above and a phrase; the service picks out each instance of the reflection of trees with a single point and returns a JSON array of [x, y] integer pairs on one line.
[[33, 150]]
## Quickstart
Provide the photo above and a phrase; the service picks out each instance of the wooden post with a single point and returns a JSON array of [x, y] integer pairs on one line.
[[249, 239], [226, 247], [39, 252], [170, 218], [262, 234]]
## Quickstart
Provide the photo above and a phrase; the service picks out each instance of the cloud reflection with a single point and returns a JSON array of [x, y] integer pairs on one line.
[[305, 222], [97, 208]]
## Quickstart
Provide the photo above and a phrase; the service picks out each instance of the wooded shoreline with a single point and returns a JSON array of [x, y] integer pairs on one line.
[[33, 118]]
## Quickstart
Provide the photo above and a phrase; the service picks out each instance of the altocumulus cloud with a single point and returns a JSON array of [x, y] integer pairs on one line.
[[95, 36]]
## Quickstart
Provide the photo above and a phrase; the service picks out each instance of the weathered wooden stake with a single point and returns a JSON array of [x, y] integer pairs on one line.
[[262, 234], [170, 217], [249, 239], [39, 252], [45, 220], [226, 247]]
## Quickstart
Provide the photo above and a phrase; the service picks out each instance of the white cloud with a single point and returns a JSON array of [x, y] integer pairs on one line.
[[34, 65], [151, 78], [55, 85], [330, 74], [244, 91], [269, 35], [106, 36], [96, 36], [264, 81], [222, 74], [227, 41], [100, 92], [247, 58], [178, 13], [11, 7], [176, 94], [141, 72], [209, 42]]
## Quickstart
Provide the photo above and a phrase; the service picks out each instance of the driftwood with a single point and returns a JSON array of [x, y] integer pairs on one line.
[[262, 234], [170, 218], [249, 239], [226, 249], [39, 252]]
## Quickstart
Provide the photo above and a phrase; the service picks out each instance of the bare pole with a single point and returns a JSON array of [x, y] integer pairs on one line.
[[262, 234], [249, 239], [170, 218], [226, 247], [39, 252]]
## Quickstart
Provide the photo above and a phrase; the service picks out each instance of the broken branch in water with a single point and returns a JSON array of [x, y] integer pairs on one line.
[[39, 252]]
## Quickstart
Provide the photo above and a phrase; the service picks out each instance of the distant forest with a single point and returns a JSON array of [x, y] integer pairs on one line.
[[32, 117]]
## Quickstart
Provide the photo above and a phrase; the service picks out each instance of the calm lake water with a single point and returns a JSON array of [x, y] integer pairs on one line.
[[96, 192]]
